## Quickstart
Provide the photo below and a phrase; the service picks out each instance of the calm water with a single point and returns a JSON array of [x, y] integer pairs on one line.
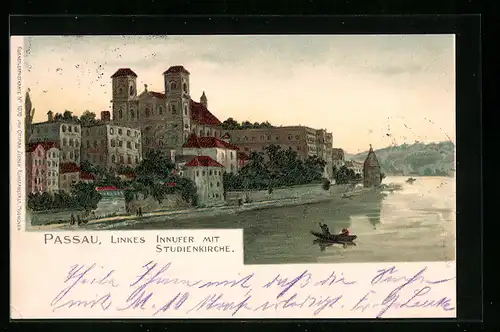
[[414, 224]]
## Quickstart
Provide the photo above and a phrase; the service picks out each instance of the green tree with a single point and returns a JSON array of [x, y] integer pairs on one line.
[[230, 124], [342, 176], [85, 195], [88, 118], [155, 167]]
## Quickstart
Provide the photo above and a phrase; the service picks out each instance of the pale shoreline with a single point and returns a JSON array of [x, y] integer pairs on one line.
[[196, 212]]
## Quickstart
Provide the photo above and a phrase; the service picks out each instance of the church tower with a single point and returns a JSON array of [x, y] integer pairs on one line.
[[371, 170], [204, 100], [124, 85], [178, 102]]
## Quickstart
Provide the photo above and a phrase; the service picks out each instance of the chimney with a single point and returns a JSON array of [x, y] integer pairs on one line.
[[106, 116], [50, 116]]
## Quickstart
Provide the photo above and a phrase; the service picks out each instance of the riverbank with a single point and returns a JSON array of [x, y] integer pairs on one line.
[[351, 197]]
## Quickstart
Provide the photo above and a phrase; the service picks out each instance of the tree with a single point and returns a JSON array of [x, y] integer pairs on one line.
[[85, 195], [67, 115], [326, 184], [342, 175], [155, 167], [230, 124], [88, 118]]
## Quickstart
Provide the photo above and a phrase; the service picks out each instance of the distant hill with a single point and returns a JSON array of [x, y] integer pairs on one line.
[[415, 159]]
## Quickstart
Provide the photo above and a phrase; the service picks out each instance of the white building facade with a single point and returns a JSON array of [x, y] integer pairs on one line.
[[221, 151], [207, 174]]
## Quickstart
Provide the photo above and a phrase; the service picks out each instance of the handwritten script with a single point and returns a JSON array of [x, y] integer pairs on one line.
[[157, 291]]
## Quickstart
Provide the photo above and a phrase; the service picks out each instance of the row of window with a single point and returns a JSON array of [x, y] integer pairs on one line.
[[72, 155], [70, 129], [121, 159], [173, 86], [210, 172], [148, 112], [215, 195], [268, 137], [71, 142]]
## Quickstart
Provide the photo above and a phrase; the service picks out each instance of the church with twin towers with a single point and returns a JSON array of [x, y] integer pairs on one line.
[[166, 119]]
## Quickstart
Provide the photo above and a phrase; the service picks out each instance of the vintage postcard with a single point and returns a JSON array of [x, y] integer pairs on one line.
[[301, 176]]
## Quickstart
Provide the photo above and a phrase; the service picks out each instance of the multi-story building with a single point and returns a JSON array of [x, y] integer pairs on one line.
[[208, 176], [304, 140], [221, 151], [371, 170], [69, 174], [42, 167], [109, 145], [65, 133], [165, 118]]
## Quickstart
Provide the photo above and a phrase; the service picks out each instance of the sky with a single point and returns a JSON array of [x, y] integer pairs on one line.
[[365, 89]]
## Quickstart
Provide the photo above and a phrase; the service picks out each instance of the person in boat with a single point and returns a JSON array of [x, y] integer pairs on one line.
[[325, 229], [345, 231]]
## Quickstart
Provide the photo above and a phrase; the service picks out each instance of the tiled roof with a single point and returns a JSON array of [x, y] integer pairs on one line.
[[68, 168], [158, 95], [124, 72], [176, 69], [45, 145], [202, 115], [106, 188], [207, 142], [203, 161], [86, 176], [371, 159]]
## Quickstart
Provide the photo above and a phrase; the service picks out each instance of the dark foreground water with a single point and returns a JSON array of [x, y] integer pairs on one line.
[[414, 224]]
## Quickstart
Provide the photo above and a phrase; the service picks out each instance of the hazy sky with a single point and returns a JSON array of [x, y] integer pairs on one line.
[[377, 90]]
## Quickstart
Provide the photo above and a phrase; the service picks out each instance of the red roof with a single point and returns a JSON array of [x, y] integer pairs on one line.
[[176, 69], [242, 155], [203, 161], [171, 184], [202, 115], [45, 145], [226, 136], [106, 188], [68, 168], [124, 72], [207, 142], [86, 176], [158, 95]]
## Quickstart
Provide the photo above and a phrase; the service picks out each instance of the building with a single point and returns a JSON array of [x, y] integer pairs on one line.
[[86, 177], [338, 158], [371, 170], [304, 140], [109, 145], [208, 176], [167, 118], [219, 150], [42, 161], [69, 174], [355, 166], [65, 133]]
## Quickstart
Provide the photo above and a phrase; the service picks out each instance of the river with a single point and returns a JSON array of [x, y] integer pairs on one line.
[[416, 223]]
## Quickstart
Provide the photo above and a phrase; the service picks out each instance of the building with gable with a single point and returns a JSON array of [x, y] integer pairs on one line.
[[221, 151], [371, 170], [207, 174], [69, 174], [166, 118]]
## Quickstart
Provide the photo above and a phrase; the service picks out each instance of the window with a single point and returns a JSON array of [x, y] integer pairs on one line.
[[218, 184], [95, 144], [132, 114], [113, 143], [131, 90], [129, 159], [120, 144], [268, 137], [71, 155], [173, 85], [197, 173], [136, 159], [211, 184], [210, 172], [232, 156], [136, 146], [290, 137], [65, 142], [70, 129], [128, 132], [184, 87], [120, 113], [76, 129], [232, 167], [201, 132], [262, 137], [160, 110], [174, 109], [77, 143], [185, 110], [186, 126], [111, 130], [277, 138], [64, 155], [39, 153], [71, 142], [147, 112], [122, 160], [129, 145], [203, 173], [119, 131]]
